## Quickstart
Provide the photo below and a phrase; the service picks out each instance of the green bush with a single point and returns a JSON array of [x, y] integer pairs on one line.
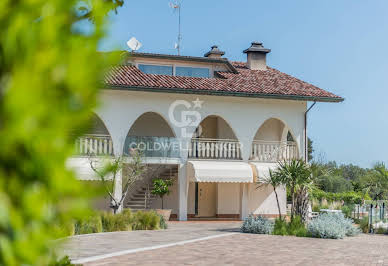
[[294, 228], [257, 225], [89, 225], [280, 227], [381, 230], [350, 197], [364, 224], [117, 222], [146, 220], [347, 210], [162, 223]]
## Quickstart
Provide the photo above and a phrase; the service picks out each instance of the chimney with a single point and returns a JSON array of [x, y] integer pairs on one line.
[[256, 56], [214, 52]]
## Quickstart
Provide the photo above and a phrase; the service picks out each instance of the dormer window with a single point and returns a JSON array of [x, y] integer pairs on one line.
[[173, 70], [156, 69], [199, 72]]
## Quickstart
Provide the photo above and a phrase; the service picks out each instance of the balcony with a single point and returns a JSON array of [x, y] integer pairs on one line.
[[161, 147], [94, 144], [201, 148], [273, 151]]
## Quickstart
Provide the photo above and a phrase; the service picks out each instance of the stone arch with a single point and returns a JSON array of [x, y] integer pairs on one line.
[[153, 134], [213, 127], [147, 123], [214, 138], [272, 134]]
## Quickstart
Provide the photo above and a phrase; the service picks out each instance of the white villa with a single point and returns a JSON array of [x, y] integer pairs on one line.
[[212, 125]]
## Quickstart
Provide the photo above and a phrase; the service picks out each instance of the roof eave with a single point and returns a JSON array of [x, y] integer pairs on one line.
[[227, 93]]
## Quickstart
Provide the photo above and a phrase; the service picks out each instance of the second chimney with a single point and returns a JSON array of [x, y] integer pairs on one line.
[[214, 52], [256, 56]]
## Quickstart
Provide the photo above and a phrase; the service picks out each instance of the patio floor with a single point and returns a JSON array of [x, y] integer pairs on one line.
[[216, 243]]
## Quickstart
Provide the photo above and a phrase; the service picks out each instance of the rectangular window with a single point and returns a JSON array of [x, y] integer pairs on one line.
[[198, 72], [155, 69]]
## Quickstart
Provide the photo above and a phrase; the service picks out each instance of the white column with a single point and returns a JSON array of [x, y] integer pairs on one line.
[[246, 145], [183, 190], [244, 201]]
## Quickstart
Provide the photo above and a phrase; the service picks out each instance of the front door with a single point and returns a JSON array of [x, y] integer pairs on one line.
[[206, 199]]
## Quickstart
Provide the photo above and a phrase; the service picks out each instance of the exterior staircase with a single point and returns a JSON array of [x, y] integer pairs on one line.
[[140, 197]]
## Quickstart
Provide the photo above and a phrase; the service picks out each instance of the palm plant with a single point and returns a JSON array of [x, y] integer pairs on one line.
[[296, 174]]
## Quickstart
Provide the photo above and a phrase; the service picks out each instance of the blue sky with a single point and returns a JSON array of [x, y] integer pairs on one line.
[[338, 45]]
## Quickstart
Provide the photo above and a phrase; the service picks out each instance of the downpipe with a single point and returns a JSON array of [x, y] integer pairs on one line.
[[306, 156]]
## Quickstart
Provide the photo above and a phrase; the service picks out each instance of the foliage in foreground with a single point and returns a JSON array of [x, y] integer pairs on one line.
[[50, 74], [257, 225], [329, 225]]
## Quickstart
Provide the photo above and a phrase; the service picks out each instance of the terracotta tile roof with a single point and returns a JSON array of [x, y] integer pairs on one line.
[[270, 83]]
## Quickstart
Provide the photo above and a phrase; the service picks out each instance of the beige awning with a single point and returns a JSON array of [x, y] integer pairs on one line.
[[262, 169], [216, 171]]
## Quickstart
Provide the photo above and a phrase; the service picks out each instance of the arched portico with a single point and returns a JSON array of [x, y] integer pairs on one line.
[[153, 135], [214, 138], [273, 141], [96, 141]]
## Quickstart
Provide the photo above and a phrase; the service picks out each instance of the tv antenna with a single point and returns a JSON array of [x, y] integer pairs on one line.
[[134, 44], [176, 6]]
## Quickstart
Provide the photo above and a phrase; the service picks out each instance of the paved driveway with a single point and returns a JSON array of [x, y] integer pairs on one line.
[[216, 244]]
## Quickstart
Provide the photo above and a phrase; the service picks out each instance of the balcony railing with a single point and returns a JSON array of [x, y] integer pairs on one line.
[[95, 145], [214, 149], [273, 151], [163, 147]]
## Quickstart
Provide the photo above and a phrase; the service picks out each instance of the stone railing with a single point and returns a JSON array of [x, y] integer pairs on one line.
[[273, 151], [94, 145], [215, 149]]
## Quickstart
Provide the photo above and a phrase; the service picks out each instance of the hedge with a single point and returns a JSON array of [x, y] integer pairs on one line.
[[350, 197]]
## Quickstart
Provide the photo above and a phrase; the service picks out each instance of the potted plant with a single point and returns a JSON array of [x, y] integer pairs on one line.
[[161, 188]]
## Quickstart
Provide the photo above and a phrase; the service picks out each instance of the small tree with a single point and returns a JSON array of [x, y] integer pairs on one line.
[[131, 171], [274, 180], [161, 188]]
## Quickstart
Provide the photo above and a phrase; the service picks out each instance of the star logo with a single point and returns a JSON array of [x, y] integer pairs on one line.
[[197, 103]]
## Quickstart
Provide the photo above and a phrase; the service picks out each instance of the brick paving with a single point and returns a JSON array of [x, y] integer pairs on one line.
[[251, 249]]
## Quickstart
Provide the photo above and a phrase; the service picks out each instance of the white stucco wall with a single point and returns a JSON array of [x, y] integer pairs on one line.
[[263, 200], [120, 109]]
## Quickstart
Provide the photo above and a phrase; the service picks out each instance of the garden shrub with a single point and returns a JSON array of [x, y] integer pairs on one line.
[[280, 227], [146, 220], [117, 222], [381, 230], [162, 223], [257, 225], [88, 225], [347, 210], [294, 228], [329, 225], [364, 225]]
